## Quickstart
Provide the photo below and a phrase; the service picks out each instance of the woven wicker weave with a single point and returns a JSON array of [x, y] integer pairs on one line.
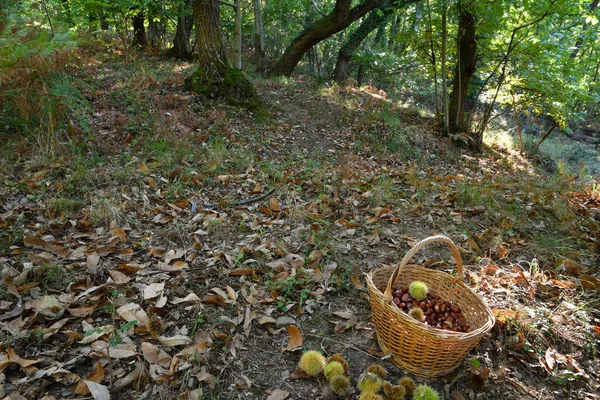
[[413, 345]]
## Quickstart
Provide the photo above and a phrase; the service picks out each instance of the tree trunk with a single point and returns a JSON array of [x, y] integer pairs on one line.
[[548, 132], [259, 36], [434, 66], [340, 18], [373, 20], [181, 42], [139, 31], [104, 22], [466, 67], [516, 114], [215, 78], [237, 62], [156, 26], [445, 111]]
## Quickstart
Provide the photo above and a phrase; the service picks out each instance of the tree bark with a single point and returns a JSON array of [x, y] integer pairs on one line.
[[139, 31], [215, 78], [445, 111], [104, 25], [237, 61], [373, 20], [339, 19], [259, 36], [156, 25], [181, 41], [466, 67], [434, 67]]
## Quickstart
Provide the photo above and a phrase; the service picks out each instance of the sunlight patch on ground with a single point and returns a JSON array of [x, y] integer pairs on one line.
[[181, 67], [500, 137]]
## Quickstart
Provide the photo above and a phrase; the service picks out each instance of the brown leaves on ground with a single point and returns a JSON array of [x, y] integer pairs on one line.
[[135, 286]]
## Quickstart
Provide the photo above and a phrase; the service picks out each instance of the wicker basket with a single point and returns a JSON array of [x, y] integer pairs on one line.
[[413, 345]]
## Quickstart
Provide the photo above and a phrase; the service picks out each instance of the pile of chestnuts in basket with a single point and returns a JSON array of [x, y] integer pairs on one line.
[[429, 308]]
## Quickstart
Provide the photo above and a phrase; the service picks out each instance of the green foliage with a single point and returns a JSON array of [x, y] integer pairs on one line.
[[11, 235], [54, 277], [291, 289]]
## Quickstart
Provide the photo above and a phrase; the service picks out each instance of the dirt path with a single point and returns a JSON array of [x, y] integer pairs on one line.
[[309, 123]]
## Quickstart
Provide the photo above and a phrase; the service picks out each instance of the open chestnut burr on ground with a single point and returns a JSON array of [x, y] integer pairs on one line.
[[437, 313]]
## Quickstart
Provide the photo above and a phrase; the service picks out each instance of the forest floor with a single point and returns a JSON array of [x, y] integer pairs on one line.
[[129, 265]]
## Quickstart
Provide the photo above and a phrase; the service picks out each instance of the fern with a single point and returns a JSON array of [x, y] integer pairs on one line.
[[39, 98]]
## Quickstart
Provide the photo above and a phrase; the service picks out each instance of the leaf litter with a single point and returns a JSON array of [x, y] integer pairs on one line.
[[174, 286]]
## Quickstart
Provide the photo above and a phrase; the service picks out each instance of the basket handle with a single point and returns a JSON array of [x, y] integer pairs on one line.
[[413, 251]]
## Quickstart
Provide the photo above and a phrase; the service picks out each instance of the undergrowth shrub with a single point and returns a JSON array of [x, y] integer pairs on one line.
[[40, 98]]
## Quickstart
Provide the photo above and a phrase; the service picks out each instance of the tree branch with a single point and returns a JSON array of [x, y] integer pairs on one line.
[[227, 3]]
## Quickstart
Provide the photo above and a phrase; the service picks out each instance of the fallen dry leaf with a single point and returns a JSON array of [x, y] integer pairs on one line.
[[278, 394], [144, 169], [589, 282], [132, 377], [118, 277], [98, 391], [242, 271], [571, 267], [154, 355], [48, 306], [504, 315], [133, 312], [298, 374], [120, 233], [295, 338], [92, 260], [81, 311], [192, 297], [214, 299], [177, 340], [14, 358], [355, 278], [153, 290], [274, 205]]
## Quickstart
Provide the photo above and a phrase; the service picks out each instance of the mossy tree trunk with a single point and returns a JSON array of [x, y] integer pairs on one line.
[[215, 78]]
